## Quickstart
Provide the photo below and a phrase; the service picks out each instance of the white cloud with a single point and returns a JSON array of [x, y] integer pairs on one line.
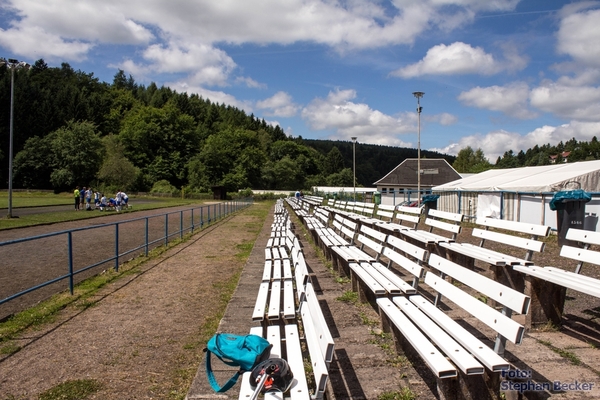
[[214, 96], [495, 144], [279, 105], [460, 58], [341, 25], [573, 102], [46, 29], [205, 64], [579, 33], [511, 99], [337, 112], [249, 82], [37, 43], [444, 119]]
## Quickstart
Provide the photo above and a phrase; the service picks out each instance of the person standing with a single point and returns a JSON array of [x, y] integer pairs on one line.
[[82, 198], [76, 194], [88, 199], [118, 199]]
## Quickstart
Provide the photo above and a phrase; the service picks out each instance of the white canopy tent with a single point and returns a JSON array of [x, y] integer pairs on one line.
[[522, 194], [543, 179]]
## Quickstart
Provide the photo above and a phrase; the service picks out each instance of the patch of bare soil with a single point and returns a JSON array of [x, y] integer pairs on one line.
[[140, 336]]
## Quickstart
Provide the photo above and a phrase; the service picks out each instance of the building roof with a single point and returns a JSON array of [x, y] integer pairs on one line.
[[540, 179], [434, 171]]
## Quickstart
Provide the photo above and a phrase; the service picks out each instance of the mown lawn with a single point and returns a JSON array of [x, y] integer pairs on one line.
[[38, 199]]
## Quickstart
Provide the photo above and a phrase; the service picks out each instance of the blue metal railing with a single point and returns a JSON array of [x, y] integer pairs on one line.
[[196, 218]]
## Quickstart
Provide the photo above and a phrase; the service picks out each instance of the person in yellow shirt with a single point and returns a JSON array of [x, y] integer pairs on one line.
[[76, 194]]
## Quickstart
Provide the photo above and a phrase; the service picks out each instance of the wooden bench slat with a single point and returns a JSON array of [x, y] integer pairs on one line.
[[410, 249], [585, 255], [274, 301], [394, 279], [261, 302], [496, 291], [316, 357], [524, 243], [483, 353], [447, 344], [563, 278], [289, 305], [299, 389], [405, 263], [367, 279], [505, 326], [522, 227], [436, 361], [580, 235], [325, 339], [267, 271]]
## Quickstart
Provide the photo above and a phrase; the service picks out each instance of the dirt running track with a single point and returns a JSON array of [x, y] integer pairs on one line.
[[32, 263]]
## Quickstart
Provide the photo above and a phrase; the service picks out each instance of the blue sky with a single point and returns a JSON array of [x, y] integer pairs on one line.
[[497, 74]]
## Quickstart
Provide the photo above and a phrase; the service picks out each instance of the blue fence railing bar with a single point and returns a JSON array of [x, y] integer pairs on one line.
[[125, 241]]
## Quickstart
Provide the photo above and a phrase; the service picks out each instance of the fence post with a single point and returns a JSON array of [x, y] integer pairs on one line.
[[166, 229], [192, 227], [201, 217], [209, 214], [146, 249], [70, 245], [117, 247], [181, 224]]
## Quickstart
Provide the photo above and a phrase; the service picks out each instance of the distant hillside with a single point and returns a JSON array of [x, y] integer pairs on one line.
[[373, 161]]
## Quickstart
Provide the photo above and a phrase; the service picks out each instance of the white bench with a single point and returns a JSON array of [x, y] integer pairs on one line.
[[276, 284], [318, 339], [445, 345], [504, 232], [446, 223], [547, 285], [408, 257], [401, 218]]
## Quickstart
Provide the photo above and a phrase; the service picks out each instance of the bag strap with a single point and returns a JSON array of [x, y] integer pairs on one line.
[[213, 381]]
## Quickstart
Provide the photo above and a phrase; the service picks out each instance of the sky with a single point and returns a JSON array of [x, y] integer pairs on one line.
[[497, 75]]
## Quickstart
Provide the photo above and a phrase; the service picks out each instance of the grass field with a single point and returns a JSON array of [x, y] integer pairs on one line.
[[35, 199], [39, 199]]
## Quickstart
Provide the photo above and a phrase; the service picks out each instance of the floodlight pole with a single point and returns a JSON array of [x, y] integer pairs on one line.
[[11, 64], [354, 165], [418, 95]]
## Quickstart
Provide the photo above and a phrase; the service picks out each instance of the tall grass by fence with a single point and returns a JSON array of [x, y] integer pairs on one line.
[[34, 268]]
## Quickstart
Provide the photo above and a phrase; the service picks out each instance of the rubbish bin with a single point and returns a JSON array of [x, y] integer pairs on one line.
[[430, 202], [377, 197], [570, 212]]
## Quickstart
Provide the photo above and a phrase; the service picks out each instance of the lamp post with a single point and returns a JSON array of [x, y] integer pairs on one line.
[[418, 95], [11, 64], [354, 165]]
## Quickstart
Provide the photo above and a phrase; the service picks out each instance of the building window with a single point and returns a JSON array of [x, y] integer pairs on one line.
[[383, 190]]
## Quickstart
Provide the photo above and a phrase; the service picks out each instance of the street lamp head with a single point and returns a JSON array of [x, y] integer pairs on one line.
[[418, 95], [353, 138]]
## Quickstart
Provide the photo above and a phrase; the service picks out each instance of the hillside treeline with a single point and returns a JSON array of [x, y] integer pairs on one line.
[[469, 160], [72, 129]]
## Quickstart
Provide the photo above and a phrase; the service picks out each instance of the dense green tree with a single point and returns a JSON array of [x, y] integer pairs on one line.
[[334, 162], [160, 141], [470, 161], [77, 150], [342, 178], [117, 171], [34, 164]]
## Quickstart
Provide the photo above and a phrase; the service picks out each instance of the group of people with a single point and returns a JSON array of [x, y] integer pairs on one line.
[[83, 200]]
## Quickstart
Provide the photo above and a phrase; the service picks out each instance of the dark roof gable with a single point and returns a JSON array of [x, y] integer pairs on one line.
[[435, 172]]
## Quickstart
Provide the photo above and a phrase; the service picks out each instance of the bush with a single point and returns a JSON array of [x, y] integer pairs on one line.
[[163, 186]]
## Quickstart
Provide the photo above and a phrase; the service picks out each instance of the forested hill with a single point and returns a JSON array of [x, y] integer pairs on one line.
[[72, 129], [373, 162]]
